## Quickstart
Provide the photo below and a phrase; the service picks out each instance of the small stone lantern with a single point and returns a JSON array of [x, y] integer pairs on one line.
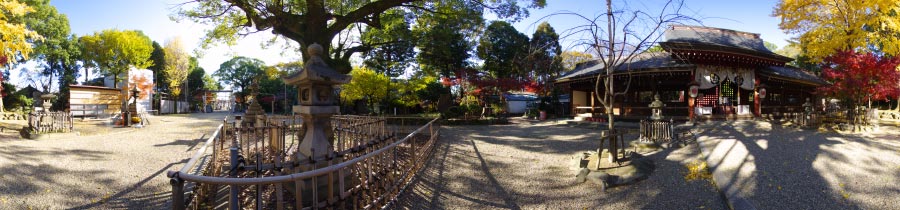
[[808, 107], [316, 92], [45, 98], [656, 107]]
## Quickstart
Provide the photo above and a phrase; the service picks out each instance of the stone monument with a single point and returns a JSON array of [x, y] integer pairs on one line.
[[316, 83], [254, 112]]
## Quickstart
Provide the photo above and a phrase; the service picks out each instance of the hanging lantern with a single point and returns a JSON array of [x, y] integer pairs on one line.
[[693, 89], [761, 90]]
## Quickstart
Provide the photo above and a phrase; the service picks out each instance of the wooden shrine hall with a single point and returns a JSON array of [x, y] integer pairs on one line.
[[703, 73]]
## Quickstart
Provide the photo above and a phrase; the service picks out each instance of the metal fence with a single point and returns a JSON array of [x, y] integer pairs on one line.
[[260, 167], [46, 122]]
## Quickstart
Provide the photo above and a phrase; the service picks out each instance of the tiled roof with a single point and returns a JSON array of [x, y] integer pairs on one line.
[[644, 61]]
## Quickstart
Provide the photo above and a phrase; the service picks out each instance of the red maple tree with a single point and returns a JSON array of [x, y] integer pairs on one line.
[[857, 77]]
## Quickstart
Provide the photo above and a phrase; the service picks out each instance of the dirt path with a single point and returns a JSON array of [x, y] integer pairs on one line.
[[526, 167], [120, 169]]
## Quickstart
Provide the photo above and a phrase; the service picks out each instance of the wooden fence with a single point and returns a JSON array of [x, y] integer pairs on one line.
[[657, 131], [374, 158], [47, 122]]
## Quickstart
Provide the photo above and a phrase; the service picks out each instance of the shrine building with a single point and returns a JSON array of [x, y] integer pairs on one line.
[[704, 73]]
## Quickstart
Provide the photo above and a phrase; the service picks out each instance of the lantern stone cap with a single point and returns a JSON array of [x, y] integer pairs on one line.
[[48, 96], [315, 70], [656, 102]]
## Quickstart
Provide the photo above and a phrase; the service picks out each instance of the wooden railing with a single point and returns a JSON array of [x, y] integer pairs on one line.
[[657, 131], [46, 122], [374, 158]]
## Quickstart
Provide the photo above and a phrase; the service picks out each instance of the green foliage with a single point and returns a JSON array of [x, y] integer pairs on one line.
[[407, 89], [432, 92], [443, 45], [240, 71], [544, 55], [320, 22], [15, 100], [158, 56], [532, 113], [392, 44], [114, 52], [771, 46], [503, 50], [572, 58], [366, 85], [655, 48]]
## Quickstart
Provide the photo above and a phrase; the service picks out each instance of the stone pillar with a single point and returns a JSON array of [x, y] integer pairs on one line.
[[315, 84]]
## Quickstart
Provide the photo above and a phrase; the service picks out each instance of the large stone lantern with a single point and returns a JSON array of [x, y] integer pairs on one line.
[[656, 107], [318, 102]]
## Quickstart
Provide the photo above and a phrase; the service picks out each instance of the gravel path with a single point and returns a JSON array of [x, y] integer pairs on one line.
[[122, 169], [774, 167], [524, 166]]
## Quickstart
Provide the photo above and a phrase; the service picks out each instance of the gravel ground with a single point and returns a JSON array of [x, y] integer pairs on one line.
[[524, 166], [120, 169], [775, 167]]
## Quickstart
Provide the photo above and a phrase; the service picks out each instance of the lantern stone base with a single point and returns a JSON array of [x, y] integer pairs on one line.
[[317, 139]]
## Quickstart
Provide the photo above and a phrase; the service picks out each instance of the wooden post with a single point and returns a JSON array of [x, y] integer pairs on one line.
[[177, 192]]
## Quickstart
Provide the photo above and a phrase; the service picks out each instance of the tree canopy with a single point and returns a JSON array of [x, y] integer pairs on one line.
[[857, 77], [572, 58], [15, 37], [544, 53], [114, 52], [178, 65], [825, 27], [366, 85], [308, 22], [393, 44], [503, 50], [240, 71]]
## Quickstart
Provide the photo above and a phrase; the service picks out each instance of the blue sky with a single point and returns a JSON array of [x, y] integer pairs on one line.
[[743, 15], [152, 17]]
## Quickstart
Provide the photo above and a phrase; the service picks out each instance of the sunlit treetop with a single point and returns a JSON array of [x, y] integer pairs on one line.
[[15, 37], [825, 27]]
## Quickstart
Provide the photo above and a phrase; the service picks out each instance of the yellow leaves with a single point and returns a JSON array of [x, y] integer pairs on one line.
[[697, 170], [825, 26], [15, 37], [178, 64]]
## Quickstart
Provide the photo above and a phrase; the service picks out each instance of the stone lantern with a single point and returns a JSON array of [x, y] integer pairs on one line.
[[807, 107], [316, 84], [656, 108], [45, 104]]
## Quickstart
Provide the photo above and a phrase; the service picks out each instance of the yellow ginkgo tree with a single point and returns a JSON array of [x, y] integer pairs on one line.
[[825, 27], [14, 36]]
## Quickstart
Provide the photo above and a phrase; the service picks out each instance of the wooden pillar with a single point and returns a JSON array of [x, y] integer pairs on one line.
[[572, 101], [757, 105], [593, 98]]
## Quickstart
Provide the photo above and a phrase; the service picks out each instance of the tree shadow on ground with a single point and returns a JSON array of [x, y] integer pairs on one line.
[[26, 174], [136, 196], [191, 143], [526, 167], [786, 168]]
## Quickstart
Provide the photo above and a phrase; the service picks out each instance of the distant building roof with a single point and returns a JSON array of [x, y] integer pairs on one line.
[[793, 73], [641, 62], [520, 97]]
